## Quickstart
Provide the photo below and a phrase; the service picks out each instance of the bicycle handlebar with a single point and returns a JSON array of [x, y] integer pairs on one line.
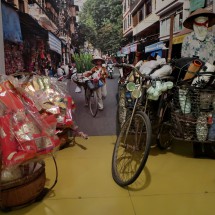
[[133, 68]]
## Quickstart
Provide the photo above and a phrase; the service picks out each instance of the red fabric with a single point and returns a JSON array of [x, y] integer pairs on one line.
[[201, 24]]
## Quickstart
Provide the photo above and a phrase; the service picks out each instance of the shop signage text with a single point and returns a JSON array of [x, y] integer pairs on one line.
[[55, 44], [179, 39]]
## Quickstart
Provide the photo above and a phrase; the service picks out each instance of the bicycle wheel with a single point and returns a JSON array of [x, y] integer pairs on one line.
[[164, 138], [121, 111], [87, 96], [131, 149], [93, 103]]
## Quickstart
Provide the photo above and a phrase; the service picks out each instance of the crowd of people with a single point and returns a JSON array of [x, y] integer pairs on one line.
[[62, 70]]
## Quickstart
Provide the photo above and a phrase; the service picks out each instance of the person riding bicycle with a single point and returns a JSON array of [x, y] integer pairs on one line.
[[100, 71]]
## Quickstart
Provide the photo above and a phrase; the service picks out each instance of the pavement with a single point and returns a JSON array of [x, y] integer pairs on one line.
[[172, 183], [104, 123]]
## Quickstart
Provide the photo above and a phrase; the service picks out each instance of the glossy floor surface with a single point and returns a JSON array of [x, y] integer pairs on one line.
[[172, 183]]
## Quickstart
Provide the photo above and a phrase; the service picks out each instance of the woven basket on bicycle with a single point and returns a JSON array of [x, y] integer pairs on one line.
[[193, 99], [193, 109], [23, 191]]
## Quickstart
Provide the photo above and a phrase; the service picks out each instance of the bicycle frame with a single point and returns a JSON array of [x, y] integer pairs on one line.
[[133, 111], [139, 89]]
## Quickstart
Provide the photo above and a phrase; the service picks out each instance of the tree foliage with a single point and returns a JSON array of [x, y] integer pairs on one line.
[[101, 24]]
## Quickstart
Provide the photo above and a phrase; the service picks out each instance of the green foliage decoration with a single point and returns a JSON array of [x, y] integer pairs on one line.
[[83, 62]]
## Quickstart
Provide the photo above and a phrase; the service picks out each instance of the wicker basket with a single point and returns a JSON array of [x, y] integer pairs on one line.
[[185, 118], [23, 191], [184, 126]]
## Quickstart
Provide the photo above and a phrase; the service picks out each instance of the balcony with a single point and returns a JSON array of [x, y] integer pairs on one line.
[[134, 4], [148, 22], [170, 5]]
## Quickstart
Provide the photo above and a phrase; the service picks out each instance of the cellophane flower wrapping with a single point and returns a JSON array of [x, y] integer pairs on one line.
[[27, 132], [51, 97]]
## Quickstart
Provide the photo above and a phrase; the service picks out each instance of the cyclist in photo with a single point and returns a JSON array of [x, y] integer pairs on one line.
[[99, 74]]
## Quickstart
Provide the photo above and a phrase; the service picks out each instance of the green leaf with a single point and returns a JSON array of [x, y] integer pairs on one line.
[[101, 24]]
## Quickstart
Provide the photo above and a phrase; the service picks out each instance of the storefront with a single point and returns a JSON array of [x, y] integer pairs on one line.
[[126, 51], [13, 41], [35, 49], [132, 55], [27, 46]]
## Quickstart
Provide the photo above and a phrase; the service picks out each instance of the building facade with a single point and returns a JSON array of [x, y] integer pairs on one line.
[[56, 16], [127, 20], [147, 23]]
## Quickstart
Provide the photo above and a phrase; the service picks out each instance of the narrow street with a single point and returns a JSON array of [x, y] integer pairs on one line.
[[159, 160], [105, 121]]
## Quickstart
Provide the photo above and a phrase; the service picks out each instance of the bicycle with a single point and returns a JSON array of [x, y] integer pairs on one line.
[[91, 98], [144, 115], [124, 102], [133, 143], [90, 95]]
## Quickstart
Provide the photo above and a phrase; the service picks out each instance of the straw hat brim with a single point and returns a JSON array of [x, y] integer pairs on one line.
[[188, 23], [98, 58]]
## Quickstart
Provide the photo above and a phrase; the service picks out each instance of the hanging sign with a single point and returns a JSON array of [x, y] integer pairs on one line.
[[178, 39], [133, 47], [196, 4], [55, 43], [126, 50], [119, 54]]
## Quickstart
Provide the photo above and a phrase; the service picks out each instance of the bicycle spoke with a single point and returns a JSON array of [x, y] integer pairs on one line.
[[93, 102], [131, 150]]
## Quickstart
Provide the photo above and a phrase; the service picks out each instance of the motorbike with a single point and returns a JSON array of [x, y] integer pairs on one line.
[[110, 70]]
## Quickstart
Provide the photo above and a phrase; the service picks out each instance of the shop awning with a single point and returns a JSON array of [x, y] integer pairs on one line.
[[11, 24], [178, 38], [130, 48], [47, 24], [55, 43], [30, 26], [154, 47]]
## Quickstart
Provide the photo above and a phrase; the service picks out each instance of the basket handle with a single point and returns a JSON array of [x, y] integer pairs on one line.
[[47, 190], [38, 198]]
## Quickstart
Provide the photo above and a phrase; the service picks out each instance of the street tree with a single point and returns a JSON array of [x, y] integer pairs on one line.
[[101, 24]]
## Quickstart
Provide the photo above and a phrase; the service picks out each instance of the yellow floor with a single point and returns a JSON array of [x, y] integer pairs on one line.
[[172, 183]]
